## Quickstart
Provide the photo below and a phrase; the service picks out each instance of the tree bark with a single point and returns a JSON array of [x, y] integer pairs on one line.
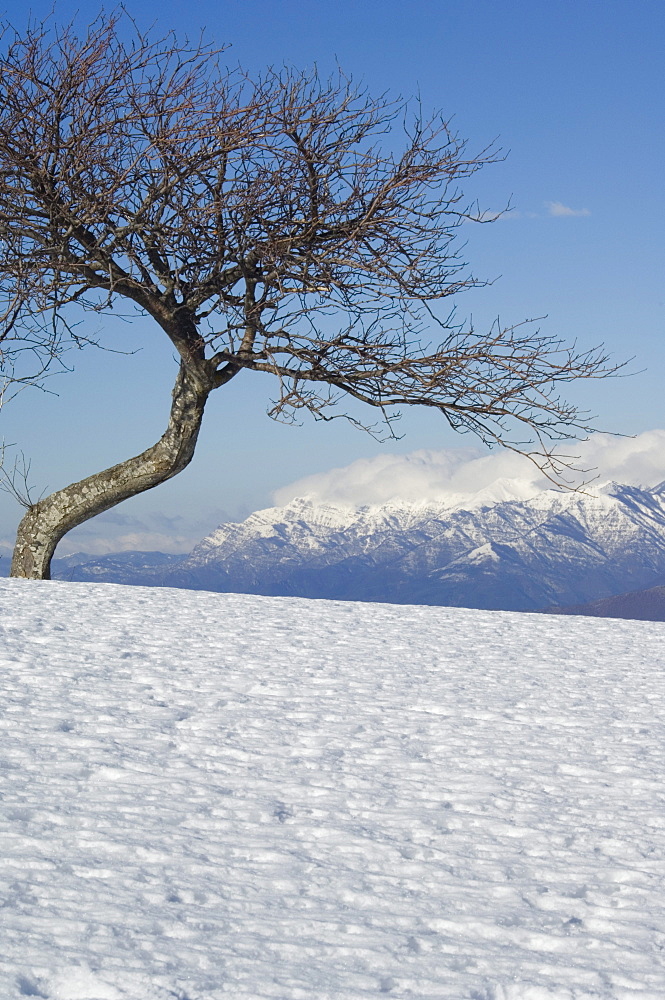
[[46, 522]]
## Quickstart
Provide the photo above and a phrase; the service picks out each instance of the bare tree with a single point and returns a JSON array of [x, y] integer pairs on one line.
[[265, 225]]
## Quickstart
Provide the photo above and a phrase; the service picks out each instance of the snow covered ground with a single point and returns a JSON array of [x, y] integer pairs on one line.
[[213, 795]]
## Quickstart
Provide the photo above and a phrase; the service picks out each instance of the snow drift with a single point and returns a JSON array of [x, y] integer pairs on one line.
[[208, 796]]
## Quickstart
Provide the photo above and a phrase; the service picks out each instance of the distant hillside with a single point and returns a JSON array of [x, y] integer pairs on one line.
[[137, 568], [504, 549], [645, 605]]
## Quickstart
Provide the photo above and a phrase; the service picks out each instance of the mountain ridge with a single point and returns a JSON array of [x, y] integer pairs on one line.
[[507, 547]]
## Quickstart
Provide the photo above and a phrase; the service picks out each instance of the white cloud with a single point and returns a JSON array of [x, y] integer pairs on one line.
[[146, 541], [96, 541], [440, 475], [557, 208], [120, 530], [636, 461], [101, 536]]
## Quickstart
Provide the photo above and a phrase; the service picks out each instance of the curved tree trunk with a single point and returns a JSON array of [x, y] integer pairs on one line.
[[46, 522]]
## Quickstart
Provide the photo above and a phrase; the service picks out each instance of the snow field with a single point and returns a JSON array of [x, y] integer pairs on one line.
[[210, 795]]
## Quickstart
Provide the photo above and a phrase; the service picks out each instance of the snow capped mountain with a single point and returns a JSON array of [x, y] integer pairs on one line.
[[506, 547]]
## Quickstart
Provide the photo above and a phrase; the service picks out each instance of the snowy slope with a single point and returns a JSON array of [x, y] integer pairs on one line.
[[503, 547], [208, 796]]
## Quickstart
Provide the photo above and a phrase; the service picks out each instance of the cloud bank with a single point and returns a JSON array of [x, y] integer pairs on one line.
[[440, 476]]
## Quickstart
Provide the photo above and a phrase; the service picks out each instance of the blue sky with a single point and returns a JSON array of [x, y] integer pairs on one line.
[[574, 93]]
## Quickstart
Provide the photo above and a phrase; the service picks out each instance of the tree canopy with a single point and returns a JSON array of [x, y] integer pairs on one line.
[[282, 223]]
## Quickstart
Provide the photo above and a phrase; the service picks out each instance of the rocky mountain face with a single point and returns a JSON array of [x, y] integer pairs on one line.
[[500, 549]]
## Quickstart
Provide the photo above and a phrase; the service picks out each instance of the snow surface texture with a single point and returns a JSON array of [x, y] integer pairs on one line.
[[209, 796]]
